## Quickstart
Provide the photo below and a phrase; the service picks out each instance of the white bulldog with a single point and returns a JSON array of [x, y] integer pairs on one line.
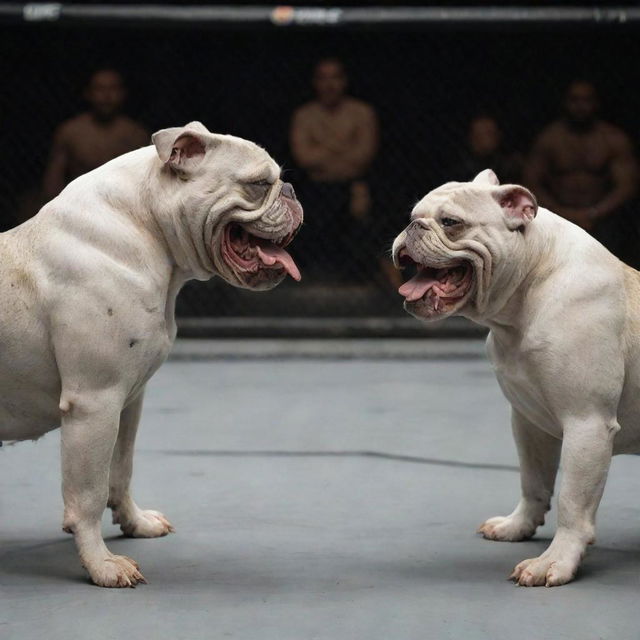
[[88, 290], [564, 315]]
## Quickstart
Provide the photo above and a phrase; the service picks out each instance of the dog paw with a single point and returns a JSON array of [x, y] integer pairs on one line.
[[116, 572], [507, 528], [145, 524], [545, 570]]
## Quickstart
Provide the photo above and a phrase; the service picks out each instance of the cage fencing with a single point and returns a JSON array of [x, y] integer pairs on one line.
[[245, 70]]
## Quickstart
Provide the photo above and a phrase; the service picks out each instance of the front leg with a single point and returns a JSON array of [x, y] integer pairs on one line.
[[586, 456], [133, 521], [539, 454], [89, 430]]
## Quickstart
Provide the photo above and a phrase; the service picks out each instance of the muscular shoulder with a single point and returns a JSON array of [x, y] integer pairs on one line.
[[307, 111], [130, 125], [73, 127], [127, 129], [551, 136], [304, 117], [359, 107], [615, 136]]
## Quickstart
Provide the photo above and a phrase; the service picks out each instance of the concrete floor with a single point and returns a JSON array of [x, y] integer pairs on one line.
[[315, 499]]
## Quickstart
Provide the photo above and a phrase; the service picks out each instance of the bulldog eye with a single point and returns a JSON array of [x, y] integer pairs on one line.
[[449, 222], [261, 183]]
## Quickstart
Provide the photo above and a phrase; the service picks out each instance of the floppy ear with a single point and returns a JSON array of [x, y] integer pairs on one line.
[[518, 205], [183, 148], [487, 177]]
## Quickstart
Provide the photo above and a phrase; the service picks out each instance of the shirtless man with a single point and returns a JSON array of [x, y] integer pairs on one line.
[[334, 139], [580, 166], [92, 138], [485, 148]]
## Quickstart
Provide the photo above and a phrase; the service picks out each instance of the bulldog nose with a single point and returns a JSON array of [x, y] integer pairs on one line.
[[287, 191]]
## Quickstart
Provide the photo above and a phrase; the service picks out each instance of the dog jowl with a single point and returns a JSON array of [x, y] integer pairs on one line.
[[564, 341], [88, 290]]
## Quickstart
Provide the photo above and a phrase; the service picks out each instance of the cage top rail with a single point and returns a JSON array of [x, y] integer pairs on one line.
[[283, 15]]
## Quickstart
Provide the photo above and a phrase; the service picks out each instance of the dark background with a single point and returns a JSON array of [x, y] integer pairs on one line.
[[425, 83]]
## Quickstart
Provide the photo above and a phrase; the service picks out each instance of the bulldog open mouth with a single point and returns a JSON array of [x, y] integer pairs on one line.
[[252, 254], [441, 286]]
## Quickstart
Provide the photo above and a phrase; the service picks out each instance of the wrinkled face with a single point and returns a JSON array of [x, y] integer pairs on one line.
[[235, 215], [255, 216], [251, 249], [455, 244]]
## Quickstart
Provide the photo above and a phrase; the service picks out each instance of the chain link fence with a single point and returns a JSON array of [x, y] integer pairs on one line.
[[426, 79]]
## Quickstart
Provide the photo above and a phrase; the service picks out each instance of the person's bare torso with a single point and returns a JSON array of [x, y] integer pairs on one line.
[[90, 143], [336, 130], [579, 163]]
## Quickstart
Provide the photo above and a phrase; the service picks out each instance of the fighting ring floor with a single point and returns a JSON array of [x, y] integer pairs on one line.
[[315, 499]]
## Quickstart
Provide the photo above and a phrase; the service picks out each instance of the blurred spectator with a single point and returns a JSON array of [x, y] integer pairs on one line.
[[334, 139], [485, 150], [584, 168], [95, 136]]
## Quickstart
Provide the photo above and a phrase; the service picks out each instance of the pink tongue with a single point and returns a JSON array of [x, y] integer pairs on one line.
[[270, 253], [415, 288]]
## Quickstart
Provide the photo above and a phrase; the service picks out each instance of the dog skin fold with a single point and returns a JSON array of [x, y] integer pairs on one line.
[[88, 289], [564, 342]]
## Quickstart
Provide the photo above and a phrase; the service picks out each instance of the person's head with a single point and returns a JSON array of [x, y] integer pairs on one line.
[[581, 103], [330, 81], [485, 136], [105, 93]]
